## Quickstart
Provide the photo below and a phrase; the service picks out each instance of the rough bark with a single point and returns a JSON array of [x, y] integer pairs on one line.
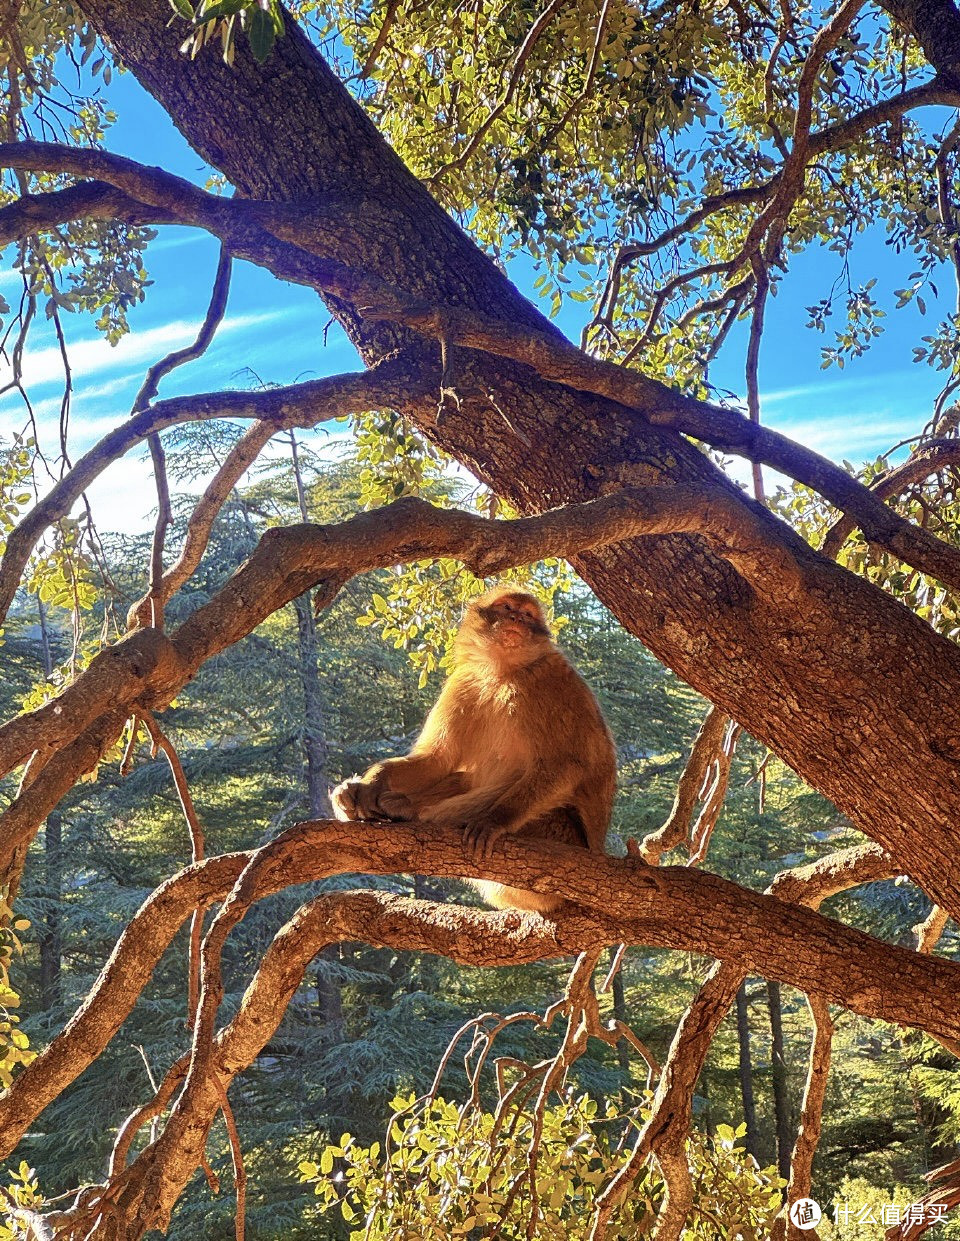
[[703, 753], [658, 906], [860, 697]]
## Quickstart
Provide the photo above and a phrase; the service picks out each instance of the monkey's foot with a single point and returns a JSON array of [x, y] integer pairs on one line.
[[479, 839]]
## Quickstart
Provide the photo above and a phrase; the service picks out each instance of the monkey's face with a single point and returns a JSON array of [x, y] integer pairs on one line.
[[509, 623]]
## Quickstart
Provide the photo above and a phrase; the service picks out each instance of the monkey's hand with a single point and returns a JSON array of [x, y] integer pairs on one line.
[[370, 799]]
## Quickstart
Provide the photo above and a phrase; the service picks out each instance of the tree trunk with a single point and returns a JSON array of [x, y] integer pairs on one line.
[[854, 692], [746, 1072], [314, 737], [778, 1072], [329, 994], [51, 935]]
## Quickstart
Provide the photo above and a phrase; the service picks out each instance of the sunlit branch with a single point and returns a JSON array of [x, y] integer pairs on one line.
[[394, 382], [654, 905], [930, 457]]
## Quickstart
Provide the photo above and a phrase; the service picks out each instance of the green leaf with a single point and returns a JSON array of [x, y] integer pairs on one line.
[[262, 34], [221, 8], [183, 7]]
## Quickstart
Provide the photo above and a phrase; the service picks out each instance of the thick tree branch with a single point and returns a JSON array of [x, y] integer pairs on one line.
[[290, 560], [91, 200], [660, 906], [812, 884], [541, 347], [686, 908], [665, 1133], [561, 362]]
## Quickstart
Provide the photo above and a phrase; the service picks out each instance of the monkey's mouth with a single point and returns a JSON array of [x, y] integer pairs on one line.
[[511, 637]]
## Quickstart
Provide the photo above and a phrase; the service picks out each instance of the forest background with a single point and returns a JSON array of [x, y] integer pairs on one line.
[[272, 720]]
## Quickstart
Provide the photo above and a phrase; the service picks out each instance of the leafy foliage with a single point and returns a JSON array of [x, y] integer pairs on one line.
[[451, 1171]]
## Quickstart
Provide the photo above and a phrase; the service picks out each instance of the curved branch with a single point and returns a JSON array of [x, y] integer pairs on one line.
[[812, 884], [546, 351], [289, 560], [687, 908], [665, 1132], [392, 382], [726, 429], [289, 239], [111, 998], [91, 200], [216, 309], [927, 459], [658, 906], [703, 753]]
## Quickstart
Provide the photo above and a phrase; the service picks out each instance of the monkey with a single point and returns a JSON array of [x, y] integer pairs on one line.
[[515, 743]]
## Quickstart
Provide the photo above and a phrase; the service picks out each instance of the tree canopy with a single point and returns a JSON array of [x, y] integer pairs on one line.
[[666, 166]]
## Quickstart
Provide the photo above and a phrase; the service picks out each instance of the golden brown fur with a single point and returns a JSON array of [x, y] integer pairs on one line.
[[515, 743]]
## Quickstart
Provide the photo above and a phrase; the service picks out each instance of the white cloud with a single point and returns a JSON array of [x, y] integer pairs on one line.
[[175, 238], [95, 355], [852, 435]]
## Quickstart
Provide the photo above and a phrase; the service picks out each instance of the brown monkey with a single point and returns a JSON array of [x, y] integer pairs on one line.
[[515, 743]]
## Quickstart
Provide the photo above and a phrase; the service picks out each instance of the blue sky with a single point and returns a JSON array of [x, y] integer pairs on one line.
[[276, 330]]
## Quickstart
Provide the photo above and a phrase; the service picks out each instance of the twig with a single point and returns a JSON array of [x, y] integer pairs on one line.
[[239, 1171], [161, 742], [513, 81]]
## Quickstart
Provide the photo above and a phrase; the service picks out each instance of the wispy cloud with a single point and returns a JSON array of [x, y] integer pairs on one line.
[[827, 386], [94, 355], [175, 238], [854, 436]]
